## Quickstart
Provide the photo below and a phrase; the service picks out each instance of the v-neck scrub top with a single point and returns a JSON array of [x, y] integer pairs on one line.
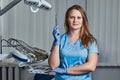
[[73, 54]]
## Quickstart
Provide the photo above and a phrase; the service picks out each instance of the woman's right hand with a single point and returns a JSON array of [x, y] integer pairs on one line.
[[56, 35]]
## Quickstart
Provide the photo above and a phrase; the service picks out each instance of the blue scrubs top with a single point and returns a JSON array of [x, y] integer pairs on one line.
[[73, 54]]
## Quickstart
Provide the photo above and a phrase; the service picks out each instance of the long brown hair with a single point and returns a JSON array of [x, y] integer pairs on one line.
[[85, 35]]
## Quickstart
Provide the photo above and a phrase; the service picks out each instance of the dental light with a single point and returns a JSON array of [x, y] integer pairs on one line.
[[35, 5]]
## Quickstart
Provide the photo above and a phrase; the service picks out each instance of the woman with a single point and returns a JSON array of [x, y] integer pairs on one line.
[[75, 53]]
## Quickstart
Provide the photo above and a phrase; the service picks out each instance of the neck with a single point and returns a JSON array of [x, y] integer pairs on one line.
[[74, 34]]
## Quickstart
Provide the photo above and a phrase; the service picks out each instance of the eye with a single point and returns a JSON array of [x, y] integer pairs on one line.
[[79, 17], [72, 17]]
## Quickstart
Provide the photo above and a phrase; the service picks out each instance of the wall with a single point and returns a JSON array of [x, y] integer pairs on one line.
[[20, 23], [104, 21], [107, 73]]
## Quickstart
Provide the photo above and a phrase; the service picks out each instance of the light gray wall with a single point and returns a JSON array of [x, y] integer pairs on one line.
[[104, 18], [20, 23]]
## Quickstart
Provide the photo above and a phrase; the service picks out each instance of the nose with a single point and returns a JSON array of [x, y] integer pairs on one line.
[[75, 19]]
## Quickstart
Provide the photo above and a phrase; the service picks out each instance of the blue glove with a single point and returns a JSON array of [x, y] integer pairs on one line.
[[60, 70], [56, 35]]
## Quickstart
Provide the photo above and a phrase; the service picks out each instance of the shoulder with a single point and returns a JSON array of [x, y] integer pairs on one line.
[[93, 47], [64, 35]]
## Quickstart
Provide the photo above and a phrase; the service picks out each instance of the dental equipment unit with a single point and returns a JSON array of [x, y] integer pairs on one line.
[[27, 56]]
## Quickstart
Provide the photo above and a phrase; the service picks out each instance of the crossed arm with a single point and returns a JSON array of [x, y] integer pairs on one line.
[[89, 66]]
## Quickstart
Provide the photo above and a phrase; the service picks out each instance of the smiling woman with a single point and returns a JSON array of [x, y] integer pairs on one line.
[[74, 54], [75, 20]]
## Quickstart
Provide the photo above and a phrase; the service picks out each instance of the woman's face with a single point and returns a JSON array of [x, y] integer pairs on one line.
[[75, 20]]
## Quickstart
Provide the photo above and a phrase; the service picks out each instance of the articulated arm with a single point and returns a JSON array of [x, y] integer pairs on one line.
[[35, 5], [9, 6]]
